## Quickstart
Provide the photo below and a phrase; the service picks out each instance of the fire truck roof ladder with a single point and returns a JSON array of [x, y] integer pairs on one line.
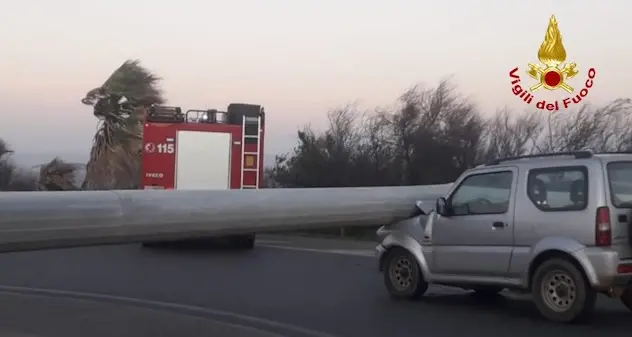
[[247, 135]]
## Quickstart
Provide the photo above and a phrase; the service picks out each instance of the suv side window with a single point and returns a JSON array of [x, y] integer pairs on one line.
[[558, 188], [486, 193]]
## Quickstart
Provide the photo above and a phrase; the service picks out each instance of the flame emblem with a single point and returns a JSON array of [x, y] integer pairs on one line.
[[552, 54], [150, 148]]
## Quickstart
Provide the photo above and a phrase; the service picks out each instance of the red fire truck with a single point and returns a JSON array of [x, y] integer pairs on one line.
[[204, 149]]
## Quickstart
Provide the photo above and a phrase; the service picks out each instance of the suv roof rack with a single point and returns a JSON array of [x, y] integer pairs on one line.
[[577, 154]]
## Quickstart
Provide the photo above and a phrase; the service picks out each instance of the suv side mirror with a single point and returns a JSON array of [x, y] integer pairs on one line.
[[442, 206]]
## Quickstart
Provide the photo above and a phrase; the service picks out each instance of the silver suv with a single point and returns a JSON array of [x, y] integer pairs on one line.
[[556, 225]]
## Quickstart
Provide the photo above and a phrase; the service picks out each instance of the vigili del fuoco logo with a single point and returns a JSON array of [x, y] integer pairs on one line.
[[552, 74]]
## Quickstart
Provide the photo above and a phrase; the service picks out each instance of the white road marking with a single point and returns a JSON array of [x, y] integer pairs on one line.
[[351, 252], [272, 242], [166, 306], [214, 321]]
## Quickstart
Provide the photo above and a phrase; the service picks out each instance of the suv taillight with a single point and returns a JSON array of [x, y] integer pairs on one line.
[[603, 229]]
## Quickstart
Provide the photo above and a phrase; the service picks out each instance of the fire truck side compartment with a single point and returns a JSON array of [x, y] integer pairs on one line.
[[202, 160]]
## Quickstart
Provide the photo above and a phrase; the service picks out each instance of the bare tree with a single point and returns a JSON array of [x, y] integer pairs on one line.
[[618, 135], [375, 148], [7, 167], [508, 134], [463, 128], [436, 125], [573, 130], [12, 177]]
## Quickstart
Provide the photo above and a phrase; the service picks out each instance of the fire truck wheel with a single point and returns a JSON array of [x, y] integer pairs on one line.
[[244, 241]]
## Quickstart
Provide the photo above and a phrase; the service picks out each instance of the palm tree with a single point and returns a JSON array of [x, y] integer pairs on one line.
[[120, 104]]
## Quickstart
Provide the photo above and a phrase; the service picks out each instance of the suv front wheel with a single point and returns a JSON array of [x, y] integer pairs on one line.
[[561, 292], [402, 276]]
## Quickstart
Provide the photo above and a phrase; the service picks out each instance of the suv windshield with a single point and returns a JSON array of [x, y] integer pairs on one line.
[[620, 180]]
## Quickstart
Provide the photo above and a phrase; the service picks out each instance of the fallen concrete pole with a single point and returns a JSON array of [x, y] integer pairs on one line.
[[43, 220]]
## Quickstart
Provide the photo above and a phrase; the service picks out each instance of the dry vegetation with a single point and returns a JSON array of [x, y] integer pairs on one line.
[[55, 175], [432, 134]]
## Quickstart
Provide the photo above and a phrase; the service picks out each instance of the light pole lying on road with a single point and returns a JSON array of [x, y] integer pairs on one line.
[[43, 220]]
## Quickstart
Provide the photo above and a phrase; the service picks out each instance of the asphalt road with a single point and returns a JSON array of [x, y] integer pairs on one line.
[[293, 287], [33, 315]]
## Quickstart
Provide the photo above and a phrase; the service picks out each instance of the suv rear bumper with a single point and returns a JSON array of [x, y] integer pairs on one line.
[[601, 267]]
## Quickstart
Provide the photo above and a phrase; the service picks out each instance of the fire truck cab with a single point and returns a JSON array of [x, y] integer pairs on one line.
[[204, 149]]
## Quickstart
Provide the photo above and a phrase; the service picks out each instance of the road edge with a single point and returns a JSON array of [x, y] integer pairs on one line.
[[257, 323]]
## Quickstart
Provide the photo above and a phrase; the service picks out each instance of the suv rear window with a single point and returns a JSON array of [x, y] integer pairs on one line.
[[559, 188], [620, 181]]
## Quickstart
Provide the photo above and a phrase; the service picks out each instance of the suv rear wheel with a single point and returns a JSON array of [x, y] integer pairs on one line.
[[402, 276], [561, 292]]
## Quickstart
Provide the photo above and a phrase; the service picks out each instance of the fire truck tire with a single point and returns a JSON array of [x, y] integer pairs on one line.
[[244, 241]]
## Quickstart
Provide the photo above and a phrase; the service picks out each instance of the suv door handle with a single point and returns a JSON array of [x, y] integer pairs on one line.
[[498, 224]]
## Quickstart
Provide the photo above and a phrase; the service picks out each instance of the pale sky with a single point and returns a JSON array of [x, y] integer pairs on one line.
[[297, 58]]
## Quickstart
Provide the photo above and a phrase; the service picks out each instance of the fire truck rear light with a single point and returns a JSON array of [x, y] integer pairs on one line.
[[624, 269], [603, 229]]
